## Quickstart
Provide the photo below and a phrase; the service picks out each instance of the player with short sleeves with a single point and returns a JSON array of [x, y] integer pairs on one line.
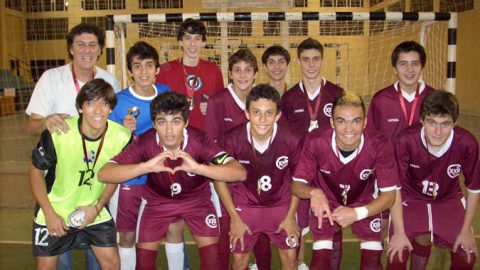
[[275, 60], [398, 105], [263, 204], [174, 157], [196, 78], [431, 157], [133, 111], [337, 171], [71, 187]]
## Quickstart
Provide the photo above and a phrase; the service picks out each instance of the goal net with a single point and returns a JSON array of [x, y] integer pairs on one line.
[[357, 46]]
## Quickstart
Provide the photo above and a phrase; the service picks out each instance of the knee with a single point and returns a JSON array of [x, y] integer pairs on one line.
[[127, 239]]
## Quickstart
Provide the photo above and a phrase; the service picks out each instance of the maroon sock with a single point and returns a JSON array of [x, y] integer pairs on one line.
[[459, 260], [146, 259], [263, 254], [337, 250], [209, 257], [321, 259], [419, 256], [224, 242], [396, 264], [371, 259]]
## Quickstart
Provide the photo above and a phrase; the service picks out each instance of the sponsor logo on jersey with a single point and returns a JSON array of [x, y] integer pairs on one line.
[[211, 221], [244, 161], [454, 170], [91, 157], [376, 225], [190, 80], [327, 109], [226, 119], [414, 166], [393, 120], [324, 171], [365, 174], [299, 111], [282, 162]]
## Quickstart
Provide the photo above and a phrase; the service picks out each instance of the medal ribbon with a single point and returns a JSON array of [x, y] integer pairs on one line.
[[414, 105], [313, 114], [75, 81], [99, 149]]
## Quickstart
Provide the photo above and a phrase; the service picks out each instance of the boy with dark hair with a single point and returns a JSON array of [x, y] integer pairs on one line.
[[337, 170], [226, 110], [174, 156], [431, 157], [196, 78], [70, 193], [307, 106], [275, 60], [397, 106], [133, 111], [269, 152]]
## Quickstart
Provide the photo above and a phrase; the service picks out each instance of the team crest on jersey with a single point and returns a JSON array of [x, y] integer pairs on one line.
[[376, 225], [211, 221], [454, 170], [327, 109], [199, 83], [282, 162], [365, 174]]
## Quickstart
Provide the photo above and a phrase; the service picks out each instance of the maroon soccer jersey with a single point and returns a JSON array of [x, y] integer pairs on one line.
[[385, 112], [208, 81], [182, 185], [269, 173], [295, 110], [353, 182], [428, 177], [224, 112]]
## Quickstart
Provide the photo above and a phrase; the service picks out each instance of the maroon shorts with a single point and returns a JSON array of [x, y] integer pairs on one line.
[[159, 212], [446, 219], [368, 229], [263, 220], [129, 200], [303, 213]]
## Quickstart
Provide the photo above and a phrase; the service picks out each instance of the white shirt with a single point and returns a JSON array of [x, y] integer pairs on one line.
[[55, 92]]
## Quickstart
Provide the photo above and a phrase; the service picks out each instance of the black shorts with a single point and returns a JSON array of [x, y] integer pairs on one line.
[[101, 235]]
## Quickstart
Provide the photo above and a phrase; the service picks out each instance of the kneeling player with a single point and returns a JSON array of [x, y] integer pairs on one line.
[[431, 156], [72, 161], [177, 188], [263, 204], [337, 170]]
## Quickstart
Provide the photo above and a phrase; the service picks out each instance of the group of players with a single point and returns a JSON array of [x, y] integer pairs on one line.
[[245, 165]]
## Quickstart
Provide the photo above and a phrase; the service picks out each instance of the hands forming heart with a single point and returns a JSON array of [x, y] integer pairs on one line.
[[160, 163]]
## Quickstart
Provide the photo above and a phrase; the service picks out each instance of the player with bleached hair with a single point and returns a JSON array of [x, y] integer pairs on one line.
[[71, 162], [431, 158], [337, 171]]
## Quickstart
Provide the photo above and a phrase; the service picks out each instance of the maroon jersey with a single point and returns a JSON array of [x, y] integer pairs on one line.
[[352, 180], [208, 81], [385, 112], [269, 173], [295, 111], [435, 178], [182, 185], [224, 112]]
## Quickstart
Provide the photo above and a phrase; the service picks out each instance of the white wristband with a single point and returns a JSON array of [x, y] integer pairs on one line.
[[362, 212]]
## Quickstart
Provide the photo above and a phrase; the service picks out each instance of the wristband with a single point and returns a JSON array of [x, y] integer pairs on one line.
[[362, 212]]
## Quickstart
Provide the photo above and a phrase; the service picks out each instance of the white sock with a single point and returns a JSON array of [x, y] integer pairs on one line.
[[128, 258], [175, 255]]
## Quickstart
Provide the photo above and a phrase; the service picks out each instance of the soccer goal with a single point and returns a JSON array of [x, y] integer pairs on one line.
[[357, 44]]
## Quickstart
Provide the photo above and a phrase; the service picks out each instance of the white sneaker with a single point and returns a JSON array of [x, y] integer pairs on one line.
[[302, 266], [252, 266]]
